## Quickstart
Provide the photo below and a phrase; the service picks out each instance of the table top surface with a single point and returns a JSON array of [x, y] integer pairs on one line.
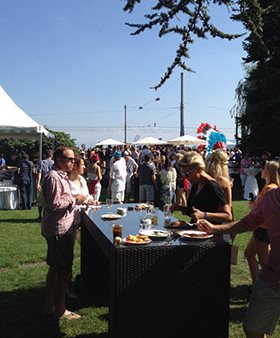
[[7, 189], [131, 226]]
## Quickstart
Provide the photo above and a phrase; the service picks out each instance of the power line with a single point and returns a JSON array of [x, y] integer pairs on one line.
[[89, 128], [204, 105]]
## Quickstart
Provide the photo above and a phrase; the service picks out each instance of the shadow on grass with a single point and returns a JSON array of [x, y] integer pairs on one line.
[[20, 220], [239, 294], [21, 315], [239, 300]]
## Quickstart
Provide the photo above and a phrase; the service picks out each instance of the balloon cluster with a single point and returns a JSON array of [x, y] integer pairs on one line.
[[213, 137]]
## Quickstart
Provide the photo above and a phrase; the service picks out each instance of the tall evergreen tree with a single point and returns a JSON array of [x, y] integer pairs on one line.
[[258, 106], [191, 19]]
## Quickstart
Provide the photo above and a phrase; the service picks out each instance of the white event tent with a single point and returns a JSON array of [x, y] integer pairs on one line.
[[14, 122], [109, 141], [149, 140], [186, 139]]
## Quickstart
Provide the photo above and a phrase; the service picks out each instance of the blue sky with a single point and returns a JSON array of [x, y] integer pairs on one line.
[[72, 65]]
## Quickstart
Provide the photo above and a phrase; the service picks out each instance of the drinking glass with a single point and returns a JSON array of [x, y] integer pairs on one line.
[[150, 207], [167, 217], [109, 203]]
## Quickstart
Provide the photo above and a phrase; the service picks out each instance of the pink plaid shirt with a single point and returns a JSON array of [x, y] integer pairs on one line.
[[268, 211], [58, 214]]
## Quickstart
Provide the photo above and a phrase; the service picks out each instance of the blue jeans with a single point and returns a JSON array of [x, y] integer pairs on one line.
[[146, 193], [26, 196]]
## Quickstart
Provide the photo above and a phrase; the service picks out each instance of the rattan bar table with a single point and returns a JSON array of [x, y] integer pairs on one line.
[[168, 288]]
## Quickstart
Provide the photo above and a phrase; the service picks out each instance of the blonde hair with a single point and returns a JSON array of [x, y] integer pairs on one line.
[[272, 168], [192, 158], [217, 164], [177, 157]]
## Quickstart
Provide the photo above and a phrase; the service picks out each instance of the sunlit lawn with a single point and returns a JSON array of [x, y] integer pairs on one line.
[[23, 271]]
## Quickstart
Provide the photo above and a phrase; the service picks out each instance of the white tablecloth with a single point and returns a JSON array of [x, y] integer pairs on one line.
[[8, 198], [251, 185]]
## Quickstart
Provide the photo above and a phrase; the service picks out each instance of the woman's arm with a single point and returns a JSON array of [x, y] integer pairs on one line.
[[99, 173], [226, 186], [223, 214], [233, 228]]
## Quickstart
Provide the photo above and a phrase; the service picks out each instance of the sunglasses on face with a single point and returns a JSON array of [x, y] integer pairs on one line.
[[69, 159]]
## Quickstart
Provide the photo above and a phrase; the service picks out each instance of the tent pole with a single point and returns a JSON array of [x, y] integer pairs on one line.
[[40, 146]]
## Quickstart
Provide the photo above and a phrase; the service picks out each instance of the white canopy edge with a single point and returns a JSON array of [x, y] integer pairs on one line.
[[108, 142], [149, 140]]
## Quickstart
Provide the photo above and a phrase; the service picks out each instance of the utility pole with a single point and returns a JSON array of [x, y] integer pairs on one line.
[[182, 132], [125, 125]]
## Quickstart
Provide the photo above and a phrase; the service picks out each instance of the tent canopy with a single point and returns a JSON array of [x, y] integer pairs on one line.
[[150, 140], [109, 141], [14, 122], [230, 144], [187, 139]]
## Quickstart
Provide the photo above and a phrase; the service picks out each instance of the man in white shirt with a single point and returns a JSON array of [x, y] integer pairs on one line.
[[117, 177]]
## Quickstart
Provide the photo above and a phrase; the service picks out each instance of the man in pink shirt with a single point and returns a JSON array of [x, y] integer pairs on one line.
[[58, 229], [264, 309]]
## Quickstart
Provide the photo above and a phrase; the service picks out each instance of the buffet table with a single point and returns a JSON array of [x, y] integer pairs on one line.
[[167, 288], [8, 198]]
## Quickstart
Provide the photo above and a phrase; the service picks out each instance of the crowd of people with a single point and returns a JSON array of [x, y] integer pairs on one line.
[[197, 186]]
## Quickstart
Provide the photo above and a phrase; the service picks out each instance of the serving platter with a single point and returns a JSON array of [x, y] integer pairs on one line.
[[155, 233], [194, 235], [110, 217]]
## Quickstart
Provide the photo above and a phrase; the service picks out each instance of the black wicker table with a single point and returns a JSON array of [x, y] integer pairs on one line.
[[168, 288]]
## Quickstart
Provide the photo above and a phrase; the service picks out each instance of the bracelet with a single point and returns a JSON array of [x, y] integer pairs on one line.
[[205, 215]]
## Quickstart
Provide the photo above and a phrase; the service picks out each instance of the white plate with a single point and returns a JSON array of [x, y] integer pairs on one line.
[[95, 206], [111, 216], [194, 234], [125, 241], [155, 233]]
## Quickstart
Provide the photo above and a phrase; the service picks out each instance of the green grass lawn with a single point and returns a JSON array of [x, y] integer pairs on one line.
[[23, 271]]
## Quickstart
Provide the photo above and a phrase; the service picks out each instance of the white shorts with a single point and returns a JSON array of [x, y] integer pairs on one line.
[[264, 309], [118, 196]]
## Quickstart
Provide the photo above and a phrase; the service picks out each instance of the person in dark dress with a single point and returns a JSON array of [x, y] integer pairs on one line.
[[206, 199], [25, 181], [147, 180]]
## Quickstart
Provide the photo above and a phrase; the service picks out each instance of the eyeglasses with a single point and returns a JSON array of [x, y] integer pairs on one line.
[[72, 159]]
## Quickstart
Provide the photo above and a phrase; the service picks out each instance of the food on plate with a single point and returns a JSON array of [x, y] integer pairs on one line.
[[141, 206], [111, 216], [137, 239], [196, 235], [177, 223]]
